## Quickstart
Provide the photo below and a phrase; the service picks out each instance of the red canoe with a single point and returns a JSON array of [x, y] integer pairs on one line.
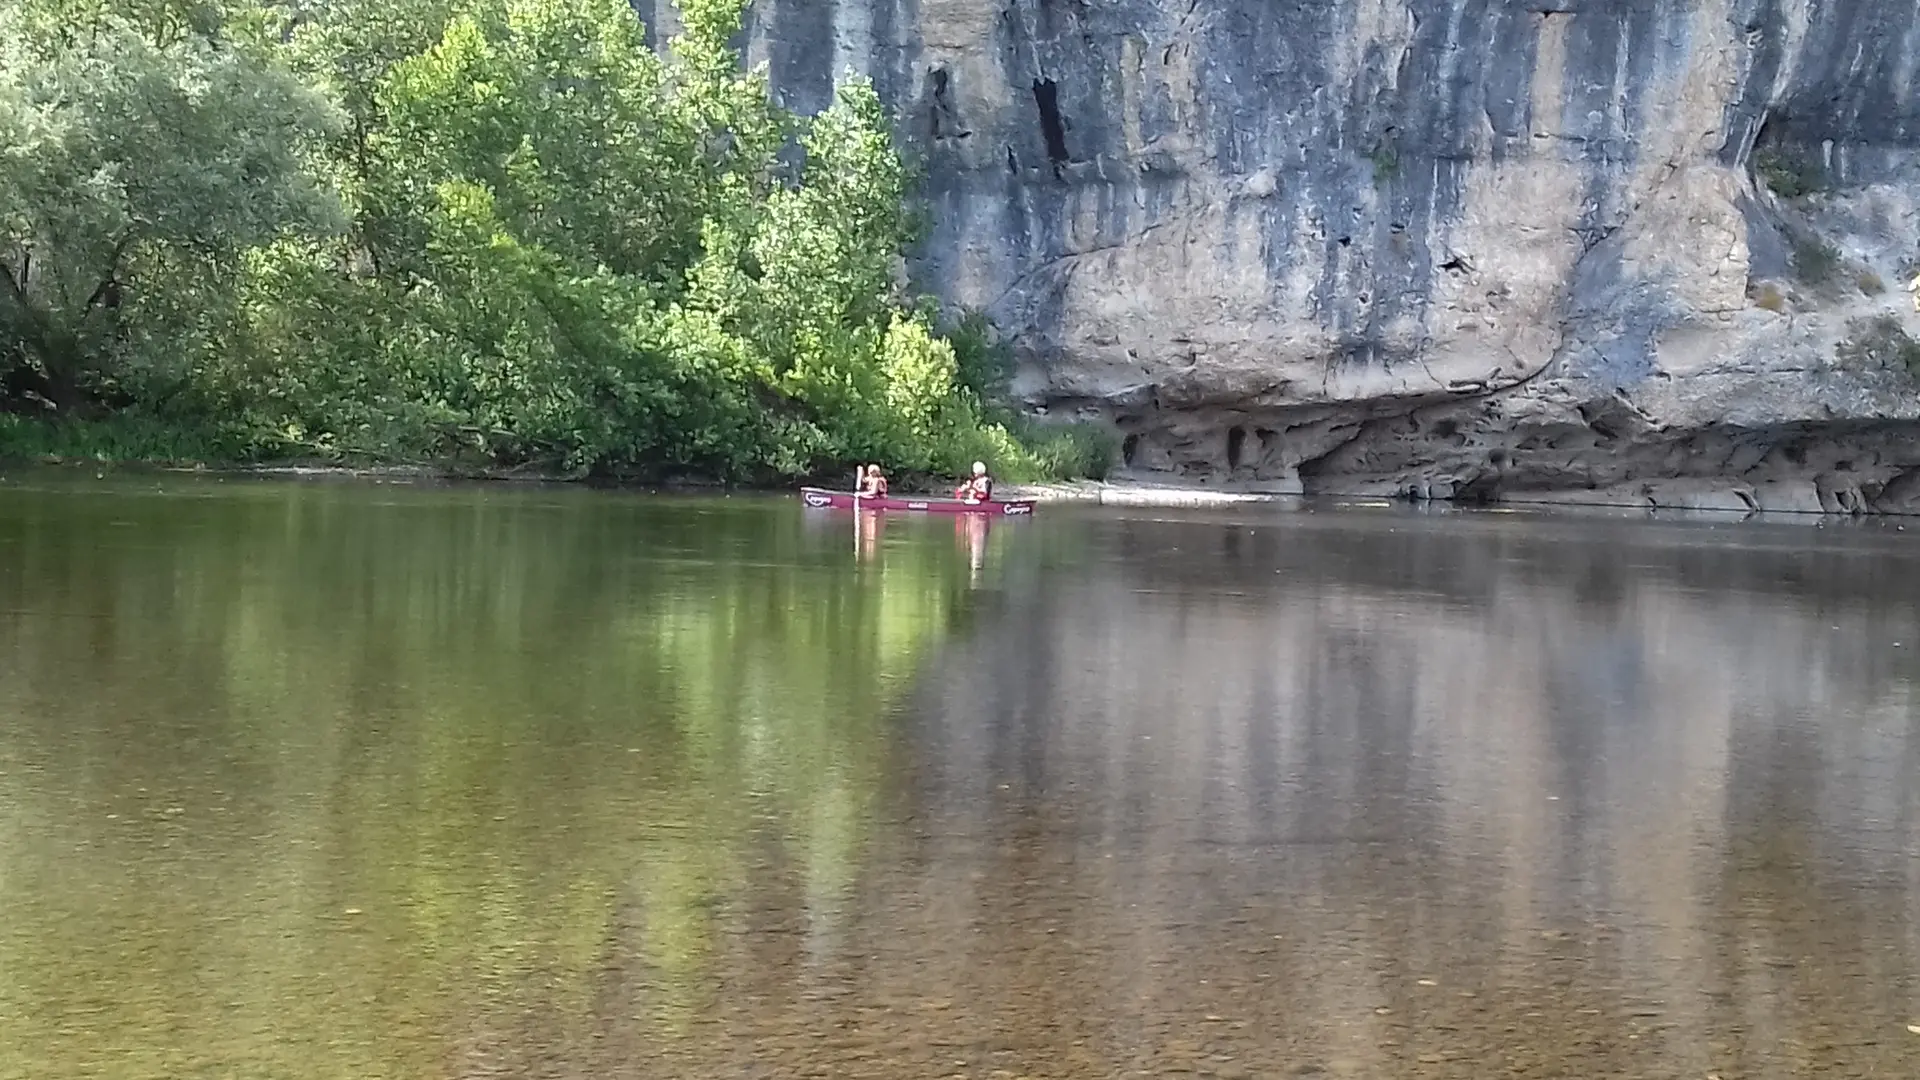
[[844, 500]]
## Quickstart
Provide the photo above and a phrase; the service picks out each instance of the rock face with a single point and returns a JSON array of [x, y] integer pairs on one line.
[[1641, 249]]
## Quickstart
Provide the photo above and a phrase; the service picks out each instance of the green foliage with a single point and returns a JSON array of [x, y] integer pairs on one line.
[[1385, 159], [1815, 261], [502, 232], [1073, 451], [1880, 343], [1788, 173], [983, 364], [1025, 447], [135, 171], [121, 437]]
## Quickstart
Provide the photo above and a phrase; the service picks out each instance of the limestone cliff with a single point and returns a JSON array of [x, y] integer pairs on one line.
[[1649, 248]]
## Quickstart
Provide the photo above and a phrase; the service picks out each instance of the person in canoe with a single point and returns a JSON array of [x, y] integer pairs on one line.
[[870, 482], [976, 489]]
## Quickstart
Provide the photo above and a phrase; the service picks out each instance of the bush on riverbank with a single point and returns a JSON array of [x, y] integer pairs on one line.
[[463, 231], [121, 437]]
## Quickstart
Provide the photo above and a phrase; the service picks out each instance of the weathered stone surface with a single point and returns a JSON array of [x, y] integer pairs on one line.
[[1471, 247]]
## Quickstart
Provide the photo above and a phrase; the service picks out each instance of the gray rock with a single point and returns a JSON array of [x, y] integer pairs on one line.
[[1425, 245]]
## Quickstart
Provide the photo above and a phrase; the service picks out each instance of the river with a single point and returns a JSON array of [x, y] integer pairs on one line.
[[355, 780]]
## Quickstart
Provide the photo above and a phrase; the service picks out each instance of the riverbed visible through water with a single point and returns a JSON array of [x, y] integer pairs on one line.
[[356, 780]]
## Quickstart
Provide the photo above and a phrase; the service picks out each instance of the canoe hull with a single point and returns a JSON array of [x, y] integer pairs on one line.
[[823, 499]]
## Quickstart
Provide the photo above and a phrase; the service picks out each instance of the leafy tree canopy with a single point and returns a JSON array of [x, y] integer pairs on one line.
[[496, 230]]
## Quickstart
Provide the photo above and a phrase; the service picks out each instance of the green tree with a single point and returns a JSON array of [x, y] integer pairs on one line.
[[503, 231], [135, 172]]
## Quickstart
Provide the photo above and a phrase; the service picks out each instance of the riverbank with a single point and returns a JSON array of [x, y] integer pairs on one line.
[[1808, 499], [1079, 492], [1102, 493], [1720, 501], [126, 441]]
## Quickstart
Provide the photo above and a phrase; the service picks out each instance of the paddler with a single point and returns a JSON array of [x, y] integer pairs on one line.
[[873, 482], [976, 489]]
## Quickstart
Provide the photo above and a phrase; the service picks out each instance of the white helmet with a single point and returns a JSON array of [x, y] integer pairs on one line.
[[979, 468]]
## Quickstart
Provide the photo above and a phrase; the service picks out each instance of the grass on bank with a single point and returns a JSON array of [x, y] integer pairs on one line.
[[118, 439]]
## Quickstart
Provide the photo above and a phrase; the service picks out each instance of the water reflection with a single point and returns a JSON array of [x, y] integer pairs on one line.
[[972, 531], [320, 781], [1432, 799], [868, 524], [326, 781]]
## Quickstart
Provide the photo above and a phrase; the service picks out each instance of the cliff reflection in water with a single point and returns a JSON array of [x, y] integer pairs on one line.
[[1381, 797], [336, 782]]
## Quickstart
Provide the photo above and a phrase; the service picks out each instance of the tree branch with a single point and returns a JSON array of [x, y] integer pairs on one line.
[[14, 287], [112, 279]]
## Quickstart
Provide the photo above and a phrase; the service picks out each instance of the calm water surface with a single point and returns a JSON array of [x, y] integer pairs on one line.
[[360, 781]]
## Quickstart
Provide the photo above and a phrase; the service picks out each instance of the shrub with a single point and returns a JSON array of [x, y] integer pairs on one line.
[[1788, 173], [982, 363], [1071, 451], [1880, 342], [1815, 261], [1385, 158], [500, 231], [122, 437]]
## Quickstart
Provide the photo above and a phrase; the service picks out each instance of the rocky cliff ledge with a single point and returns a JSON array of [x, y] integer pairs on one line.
[[1650, 249]]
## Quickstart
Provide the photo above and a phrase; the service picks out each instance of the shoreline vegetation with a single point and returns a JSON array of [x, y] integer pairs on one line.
[[1124, 493], [469, 237]]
